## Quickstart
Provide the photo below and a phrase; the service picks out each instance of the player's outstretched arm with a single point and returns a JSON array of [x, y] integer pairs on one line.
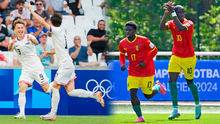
[[37, 17], [163, 25]]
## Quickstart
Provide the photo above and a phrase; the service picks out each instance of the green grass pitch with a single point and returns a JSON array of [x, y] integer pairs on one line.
[[35, 119], [150, 118], [185, 118]]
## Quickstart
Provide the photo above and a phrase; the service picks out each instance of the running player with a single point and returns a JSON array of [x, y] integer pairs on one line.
[[66, 73], [32, 68], [183, 56], [140, 51]]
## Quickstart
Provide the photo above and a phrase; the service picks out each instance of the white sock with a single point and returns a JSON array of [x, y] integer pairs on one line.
[[50, 87], [81, 93], [22, 102], [55, 100]]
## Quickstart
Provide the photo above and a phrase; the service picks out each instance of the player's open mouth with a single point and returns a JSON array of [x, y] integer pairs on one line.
[[20, 33]]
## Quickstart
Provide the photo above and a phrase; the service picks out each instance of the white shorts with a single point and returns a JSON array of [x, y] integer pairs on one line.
[[29, 77], [65, 73]]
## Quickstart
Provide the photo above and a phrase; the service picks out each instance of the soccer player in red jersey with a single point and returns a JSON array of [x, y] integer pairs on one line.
[[183, 56], [140, 51]]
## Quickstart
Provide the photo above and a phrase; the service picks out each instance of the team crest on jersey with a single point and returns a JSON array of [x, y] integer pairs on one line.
[[137, 47]]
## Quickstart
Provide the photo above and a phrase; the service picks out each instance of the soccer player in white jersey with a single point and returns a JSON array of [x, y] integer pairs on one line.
[[32, 68], [66, 73]]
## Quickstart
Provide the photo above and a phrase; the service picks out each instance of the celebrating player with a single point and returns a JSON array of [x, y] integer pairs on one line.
[[66, 72], [183, 56], [140, 51], [32, 68]]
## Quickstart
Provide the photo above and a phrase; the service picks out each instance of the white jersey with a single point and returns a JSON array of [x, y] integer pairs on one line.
[[60, 44], [26, 52]]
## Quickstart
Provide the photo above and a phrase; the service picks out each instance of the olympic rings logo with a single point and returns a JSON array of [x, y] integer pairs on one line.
[[101, 87]]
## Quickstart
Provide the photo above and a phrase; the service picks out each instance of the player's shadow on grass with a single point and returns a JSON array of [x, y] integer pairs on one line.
[[156, 121], [176, 120]]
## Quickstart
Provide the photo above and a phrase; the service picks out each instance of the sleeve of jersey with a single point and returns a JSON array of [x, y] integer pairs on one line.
[[51, 29], [188, 25], [122, 54], [153, 51], [169, 24]]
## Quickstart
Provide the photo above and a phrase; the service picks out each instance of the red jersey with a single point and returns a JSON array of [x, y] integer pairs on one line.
[[182, 46], [137, 51]]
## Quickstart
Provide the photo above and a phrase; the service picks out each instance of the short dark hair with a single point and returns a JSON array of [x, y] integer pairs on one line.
[[132, 24], [38, 0], [177, 7], [56, 19], [19, 1], [101, 21]]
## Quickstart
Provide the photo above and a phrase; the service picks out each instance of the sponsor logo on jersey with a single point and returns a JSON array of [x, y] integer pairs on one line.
[[27, 43], [125, 49]]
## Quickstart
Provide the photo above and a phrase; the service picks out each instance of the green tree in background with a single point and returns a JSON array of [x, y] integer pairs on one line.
[[148, 13]]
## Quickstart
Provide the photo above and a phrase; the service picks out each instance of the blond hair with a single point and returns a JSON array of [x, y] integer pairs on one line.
[[19, 21]]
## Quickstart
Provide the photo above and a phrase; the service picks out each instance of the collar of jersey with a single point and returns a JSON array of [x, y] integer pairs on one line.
[[21, 39], [184, 20], [132, 40]]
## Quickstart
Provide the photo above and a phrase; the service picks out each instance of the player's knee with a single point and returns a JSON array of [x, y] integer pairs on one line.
[[133, 92], [22, 90], [147, 96], [189, 81]]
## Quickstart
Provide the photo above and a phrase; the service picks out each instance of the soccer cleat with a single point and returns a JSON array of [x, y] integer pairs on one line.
[[50, 116], [162, 88], [19, 116], [99, 98], [173, 115], [140, 119], [198, 111]]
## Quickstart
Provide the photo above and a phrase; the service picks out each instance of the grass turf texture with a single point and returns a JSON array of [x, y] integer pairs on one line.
[[185, 118], [35, 119]]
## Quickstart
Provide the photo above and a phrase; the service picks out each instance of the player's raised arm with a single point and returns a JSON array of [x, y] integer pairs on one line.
[[37, 17], [163, 25], [178, 14]]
